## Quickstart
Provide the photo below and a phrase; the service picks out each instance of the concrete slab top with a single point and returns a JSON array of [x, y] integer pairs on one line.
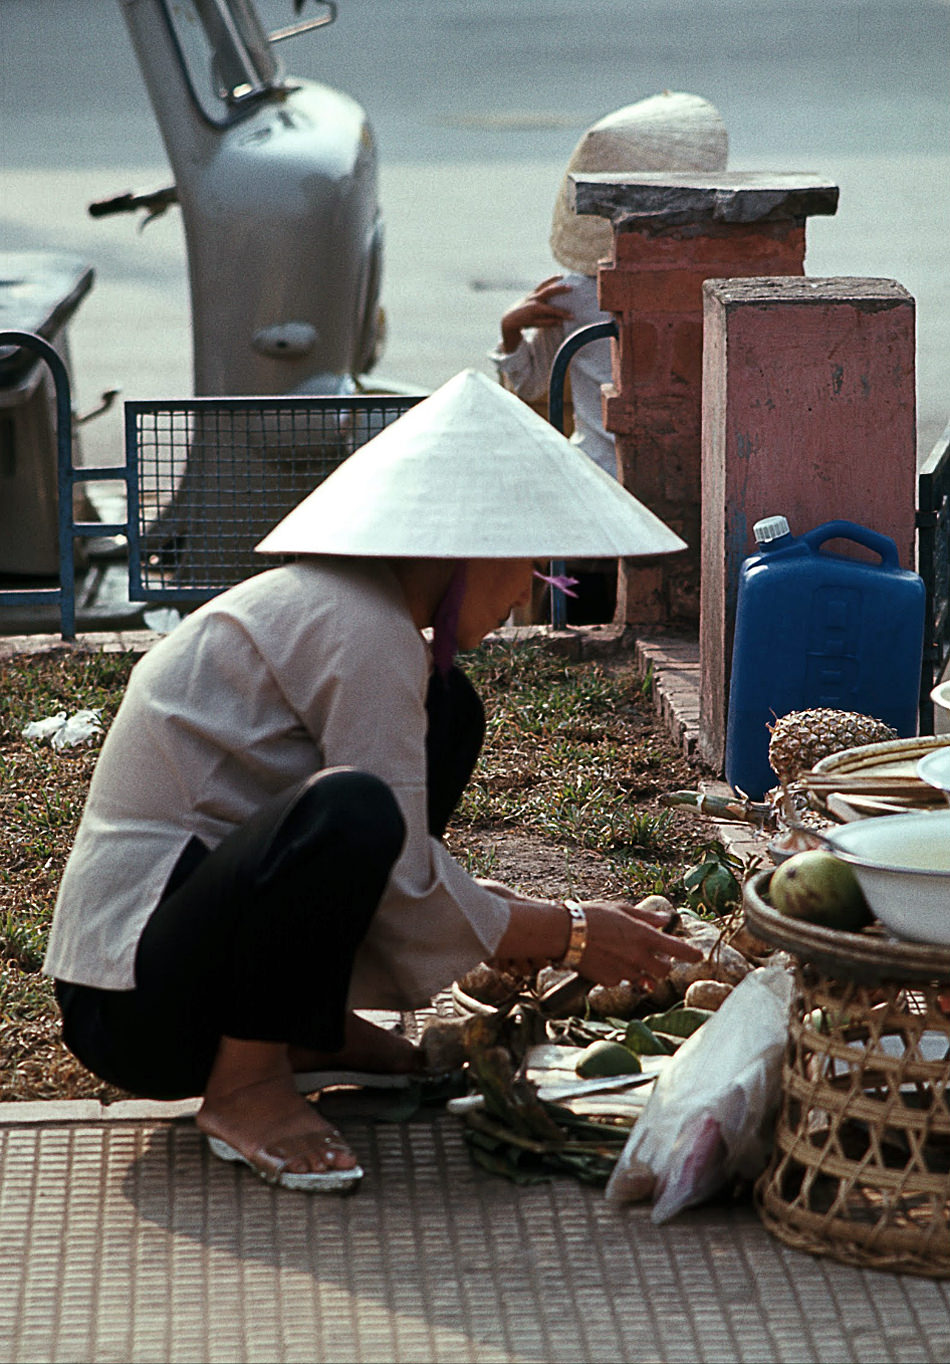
[[883, 293], [678, 197]]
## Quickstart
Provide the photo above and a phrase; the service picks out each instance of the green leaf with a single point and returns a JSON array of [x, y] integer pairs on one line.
[[503, 1165], [641, 1038], [678, 1021], [712, 881]]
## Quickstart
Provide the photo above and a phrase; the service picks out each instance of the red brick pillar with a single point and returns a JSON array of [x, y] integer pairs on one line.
[[809, 412], [671, 233]]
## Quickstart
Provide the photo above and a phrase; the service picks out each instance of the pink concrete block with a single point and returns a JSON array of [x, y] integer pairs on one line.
[[808, 412]]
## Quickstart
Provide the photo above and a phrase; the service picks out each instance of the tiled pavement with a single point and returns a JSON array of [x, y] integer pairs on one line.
[[121, 1239]]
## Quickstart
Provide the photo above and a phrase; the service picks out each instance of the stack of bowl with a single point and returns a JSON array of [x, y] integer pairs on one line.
[[902, 860], [902, 863]]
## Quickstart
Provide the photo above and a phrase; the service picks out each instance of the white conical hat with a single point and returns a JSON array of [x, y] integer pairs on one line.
[[668, 132], [471, 472]]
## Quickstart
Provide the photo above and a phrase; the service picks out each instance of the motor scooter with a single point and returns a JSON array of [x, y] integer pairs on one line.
[[276, 178]]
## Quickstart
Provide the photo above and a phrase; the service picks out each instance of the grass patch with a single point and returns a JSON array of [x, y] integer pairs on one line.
[[42, 792], [573, 758]]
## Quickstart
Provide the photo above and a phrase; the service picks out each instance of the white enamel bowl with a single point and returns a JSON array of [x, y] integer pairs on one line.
[[903, 865], [940, 695], [934, 768]]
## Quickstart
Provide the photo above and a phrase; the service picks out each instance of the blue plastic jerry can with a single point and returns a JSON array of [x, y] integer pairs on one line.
[[819, 629]]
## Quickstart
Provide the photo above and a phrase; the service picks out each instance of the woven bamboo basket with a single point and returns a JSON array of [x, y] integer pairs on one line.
[[860, 1168]]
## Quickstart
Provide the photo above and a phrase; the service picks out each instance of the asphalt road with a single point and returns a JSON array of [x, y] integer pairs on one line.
[[475, 80], [476, 105]]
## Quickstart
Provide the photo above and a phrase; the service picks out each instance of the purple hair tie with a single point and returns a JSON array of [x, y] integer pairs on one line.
[[560, 581], [445, 622]]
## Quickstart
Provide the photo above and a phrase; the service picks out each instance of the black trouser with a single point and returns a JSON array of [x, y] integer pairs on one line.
[[256, 939]]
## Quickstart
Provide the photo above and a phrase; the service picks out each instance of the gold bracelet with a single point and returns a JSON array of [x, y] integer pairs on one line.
[[577, 942]]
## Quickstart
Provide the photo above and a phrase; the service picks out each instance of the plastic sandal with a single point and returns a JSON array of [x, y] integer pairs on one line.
[[274, 1171]]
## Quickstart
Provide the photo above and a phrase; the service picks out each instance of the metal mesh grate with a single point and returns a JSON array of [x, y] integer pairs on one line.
[[209, 477]]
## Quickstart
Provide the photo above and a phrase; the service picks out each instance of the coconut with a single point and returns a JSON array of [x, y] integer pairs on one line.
[[819, 888]]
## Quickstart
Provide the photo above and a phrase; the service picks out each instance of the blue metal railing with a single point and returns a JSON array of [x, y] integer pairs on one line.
[[209, 477], [145, 586], [67, 477], [204, 480]]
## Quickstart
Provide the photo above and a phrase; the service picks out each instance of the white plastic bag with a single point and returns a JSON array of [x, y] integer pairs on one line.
[[710, 1114], [62, 732], [162, 620]]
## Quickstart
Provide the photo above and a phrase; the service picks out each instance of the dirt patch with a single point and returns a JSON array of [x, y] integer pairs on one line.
[[537, 866]]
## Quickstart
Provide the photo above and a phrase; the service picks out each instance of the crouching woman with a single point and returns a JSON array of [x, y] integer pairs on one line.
[[261, 850]]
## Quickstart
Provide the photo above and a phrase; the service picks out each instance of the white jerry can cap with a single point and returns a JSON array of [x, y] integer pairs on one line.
[[769, 529]]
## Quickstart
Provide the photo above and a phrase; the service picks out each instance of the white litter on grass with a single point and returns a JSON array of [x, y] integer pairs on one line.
[[162, 620], [63, 732]]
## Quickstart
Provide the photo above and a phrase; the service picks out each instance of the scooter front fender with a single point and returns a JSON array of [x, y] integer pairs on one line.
[[284, 246]]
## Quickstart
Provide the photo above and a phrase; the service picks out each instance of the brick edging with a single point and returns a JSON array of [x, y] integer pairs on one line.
[[106, 642], [35, 1111]]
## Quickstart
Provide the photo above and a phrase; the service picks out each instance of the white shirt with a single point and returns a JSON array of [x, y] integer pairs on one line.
[[315, 664], [527, 368]]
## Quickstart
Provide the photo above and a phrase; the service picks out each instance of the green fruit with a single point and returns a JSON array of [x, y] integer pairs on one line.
[[605, 1058], [819, 888]]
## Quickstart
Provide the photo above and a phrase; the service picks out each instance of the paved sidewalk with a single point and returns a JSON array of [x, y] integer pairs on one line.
[[122, 1239]]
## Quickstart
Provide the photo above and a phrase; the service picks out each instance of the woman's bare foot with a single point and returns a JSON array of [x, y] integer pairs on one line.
[[366, 1047], [251, 1104]]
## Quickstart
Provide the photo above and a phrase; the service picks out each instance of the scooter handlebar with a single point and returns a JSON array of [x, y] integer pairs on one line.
[[153, 201]]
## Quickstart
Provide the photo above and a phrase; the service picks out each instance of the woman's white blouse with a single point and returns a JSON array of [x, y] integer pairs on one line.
[[311, 665]]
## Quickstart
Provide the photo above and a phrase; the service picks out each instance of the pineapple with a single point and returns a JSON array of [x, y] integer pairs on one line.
[[803, 737]]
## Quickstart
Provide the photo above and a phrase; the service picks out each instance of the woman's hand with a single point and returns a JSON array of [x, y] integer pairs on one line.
[[626, 942], [534, 310]]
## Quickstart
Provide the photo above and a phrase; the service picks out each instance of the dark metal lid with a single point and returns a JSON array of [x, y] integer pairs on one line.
[[39, 292]]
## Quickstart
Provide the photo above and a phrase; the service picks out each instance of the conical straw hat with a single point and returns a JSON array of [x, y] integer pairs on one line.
[[668, 132], [471, 472]]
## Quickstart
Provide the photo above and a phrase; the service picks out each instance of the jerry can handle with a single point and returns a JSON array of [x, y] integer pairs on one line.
[[861, 535]]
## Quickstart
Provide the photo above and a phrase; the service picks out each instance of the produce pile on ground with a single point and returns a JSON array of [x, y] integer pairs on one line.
[[625, 1032], [513, 1028], [560, 1070]]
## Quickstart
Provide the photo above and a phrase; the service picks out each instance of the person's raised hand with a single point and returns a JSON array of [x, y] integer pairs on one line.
[[534, 310]]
